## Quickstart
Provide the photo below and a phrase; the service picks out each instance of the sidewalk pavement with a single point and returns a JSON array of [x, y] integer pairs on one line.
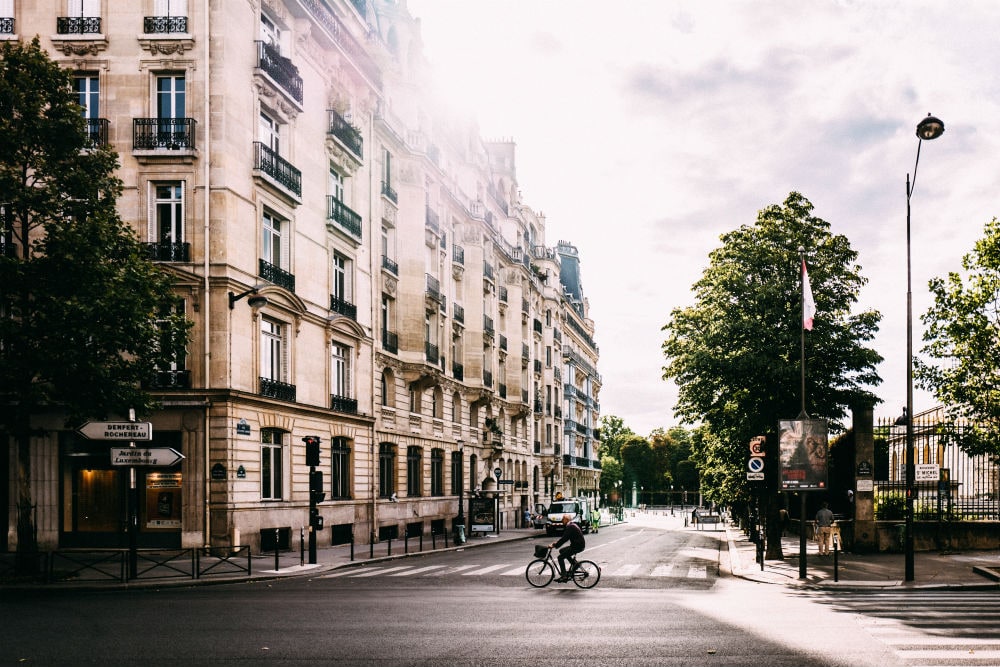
[[931, 569]]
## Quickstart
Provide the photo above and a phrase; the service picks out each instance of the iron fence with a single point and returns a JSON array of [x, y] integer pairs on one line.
[[950, 484]]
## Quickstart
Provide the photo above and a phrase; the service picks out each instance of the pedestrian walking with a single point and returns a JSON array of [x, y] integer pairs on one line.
[[824, 528]]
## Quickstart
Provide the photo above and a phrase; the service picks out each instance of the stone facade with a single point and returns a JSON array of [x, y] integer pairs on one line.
[[358, 265]]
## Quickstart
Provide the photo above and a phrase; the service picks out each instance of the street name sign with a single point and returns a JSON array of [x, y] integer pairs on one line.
[[145, 456], [119, 431], [755, 476], [926, 472]]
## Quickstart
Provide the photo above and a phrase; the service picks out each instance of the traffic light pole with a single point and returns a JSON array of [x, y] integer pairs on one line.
[[312, 514], [316, 493]]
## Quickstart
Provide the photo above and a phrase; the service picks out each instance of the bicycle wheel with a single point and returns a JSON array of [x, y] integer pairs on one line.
[[586, 574], [539, 573]]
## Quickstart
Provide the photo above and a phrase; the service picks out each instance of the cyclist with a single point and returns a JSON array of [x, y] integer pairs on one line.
[[573, 535]]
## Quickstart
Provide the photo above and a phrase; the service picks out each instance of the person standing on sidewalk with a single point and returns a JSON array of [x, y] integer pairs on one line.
[[824, 528]]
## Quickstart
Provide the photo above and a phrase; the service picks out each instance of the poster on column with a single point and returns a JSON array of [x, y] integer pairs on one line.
[[803, 454], [163, 501]]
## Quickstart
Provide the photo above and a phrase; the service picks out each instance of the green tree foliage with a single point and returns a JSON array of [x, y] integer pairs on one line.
[[85, 319], [735, 353], [963, 336], [614, 433]]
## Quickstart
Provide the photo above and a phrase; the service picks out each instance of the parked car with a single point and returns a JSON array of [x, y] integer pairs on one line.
[[539, 516]]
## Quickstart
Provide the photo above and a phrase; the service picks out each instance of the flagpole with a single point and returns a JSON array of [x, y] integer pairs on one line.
[[802, 331]]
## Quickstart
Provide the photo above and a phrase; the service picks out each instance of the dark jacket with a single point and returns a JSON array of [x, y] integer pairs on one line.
[[573, 535]]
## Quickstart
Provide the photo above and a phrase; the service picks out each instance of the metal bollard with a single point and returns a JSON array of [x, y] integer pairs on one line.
[[836, 548], [277, 566], [302, 546]]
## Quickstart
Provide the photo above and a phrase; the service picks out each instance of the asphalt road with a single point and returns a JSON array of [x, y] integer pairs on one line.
[[661, 601]]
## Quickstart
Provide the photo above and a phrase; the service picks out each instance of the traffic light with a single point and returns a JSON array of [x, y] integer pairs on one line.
[[316, 494], [312, 449], [315, 519]]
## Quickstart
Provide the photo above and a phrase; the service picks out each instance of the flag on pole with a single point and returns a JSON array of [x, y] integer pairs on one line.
[[808, 305]]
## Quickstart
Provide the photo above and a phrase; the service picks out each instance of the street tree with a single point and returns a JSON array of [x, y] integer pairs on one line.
[[85, 319], [735, 353], [963, 338], [614, 433]]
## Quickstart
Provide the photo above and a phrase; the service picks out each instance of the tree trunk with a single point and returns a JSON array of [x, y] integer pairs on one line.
[[774, 527], [26, 561]]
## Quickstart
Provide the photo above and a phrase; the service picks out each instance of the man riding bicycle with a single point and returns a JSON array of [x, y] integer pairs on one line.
[[573, 535]]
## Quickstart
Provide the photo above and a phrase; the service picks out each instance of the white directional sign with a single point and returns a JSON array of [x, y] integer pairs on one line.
[[145, 456], [120, 431]]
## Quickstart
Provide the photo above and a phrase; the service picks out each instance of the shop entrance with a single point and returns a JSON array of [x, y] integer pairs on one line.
[[94, 494]]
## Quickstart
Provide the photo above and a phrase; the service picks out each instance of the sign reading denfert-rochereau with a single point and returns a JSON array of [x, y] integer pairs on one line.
[[121, 431], [144, 456]]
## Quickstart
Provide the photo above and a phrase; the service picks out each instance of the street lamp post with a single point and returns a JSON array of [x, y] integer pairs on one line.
[[461, 486], [929, 128]]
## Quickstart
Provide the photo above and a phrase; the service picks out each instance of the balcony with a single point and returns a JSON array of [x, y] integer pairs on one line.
[[168, 252], [487, 378], [458, 313], [344, 217], [6, 25], [344, 307], [390, 341], [538, 366], [78, 25], [431, 220], [163, 134], [537, 326], [277, 168], [431, 353], [343, 404], [390, 266], [346, 133], [159, 25], [458, 254], [97, 130], [275, 389], [503, 342], [488, 325], [389, 193], [280, 69], [276, 275], [458, 370], [503, 390], [171, 380], [433, 288], [503, 294]]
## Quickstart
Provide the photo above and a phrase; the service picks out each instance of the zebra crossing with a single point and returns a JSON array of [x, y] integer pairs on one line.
[[690, 570], [950, 628]]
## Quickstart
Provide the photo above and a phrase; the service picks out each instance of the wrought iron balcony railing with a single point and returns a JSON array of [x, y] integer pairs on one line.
[[487, 378], [6, 25], [390, 266], [168, 252], [78, 25], [389, 193], [347, 133], [343, 404], [458, 370], [275, 389], [179, 379], [458, 254], [158, 25], [459, 313], [97, 130], [344, 307], [390, 341], [344, 216], [431, 352], [277, 275], [163, 133], [281, 69], [277, 167]]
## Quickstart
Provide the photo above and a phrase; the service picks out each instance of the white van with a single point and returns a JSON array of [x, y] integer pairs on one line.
[[578, 509]]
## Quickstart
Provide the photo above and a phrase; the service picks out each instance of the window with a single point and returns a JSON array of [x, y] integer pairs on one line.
[[271, 469], [87, 88], [387, 389], [168, 213], [270, 133], [336, 186], [272, 350], [169, 16], [437, 472], [174, 373], [456, 473], [473, 485], [273, 248], [340, 468], [170, 96], [414, 463], [341, 371], [269, 32], [386, 469], [343, 273]]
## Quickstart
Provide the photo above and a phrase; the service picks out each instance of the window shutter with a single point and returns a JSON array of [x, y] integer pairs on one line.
[[182, 223], [286, 241]]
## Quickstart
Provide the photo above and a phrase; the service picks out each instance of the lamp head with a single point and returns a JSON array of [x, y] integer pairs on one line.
[[930, 128], [257, 301]]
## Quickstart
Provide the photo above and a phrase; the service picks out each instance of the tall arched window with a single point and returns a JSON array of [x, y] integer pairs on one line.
[[414, 468], [386, 469], [340, 468]]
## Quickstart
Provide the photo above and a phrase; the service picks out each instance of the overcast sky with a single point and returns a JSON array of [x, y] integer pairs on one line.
[[645, 129]]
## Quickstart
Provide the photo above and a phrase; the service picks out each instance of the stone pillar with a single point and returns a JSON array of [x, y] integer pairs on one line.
[[865, 534]]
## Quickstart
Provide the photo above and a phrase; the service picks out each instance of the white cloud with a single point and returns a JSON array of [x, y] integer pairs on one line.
[[679, 120]]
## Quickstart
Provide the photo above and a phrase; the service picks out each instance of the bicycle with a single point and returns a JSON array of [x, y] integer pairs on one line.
[[541, 571]]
